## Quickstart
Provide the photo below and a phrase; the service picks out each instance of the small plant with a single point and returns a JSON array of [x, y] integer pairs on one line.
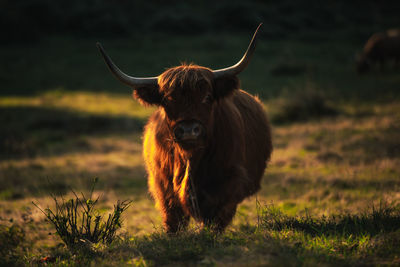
[[79, 224]]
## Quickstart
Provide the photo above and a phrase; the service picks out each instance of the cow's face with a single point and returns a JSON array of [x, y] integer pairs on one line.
[[188, 94], [187, 99]]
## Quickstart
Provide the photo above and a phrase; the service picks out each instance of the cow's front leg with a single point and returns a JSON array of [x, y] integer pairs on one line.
[[174, 218], [221, 217], [220, 203], [237, 186]]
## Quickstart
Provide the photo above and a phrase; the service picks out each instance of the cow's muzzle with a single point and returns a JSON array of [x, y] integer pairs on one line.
[[188, 131]]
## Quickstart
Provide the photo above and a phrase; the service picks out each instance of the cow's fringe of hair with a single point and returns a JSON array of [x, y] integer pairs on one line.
[[186, 76]]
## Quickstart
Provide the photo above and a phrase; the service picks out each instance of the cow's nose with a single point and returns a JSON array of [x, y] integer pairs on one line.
[[187, 131]]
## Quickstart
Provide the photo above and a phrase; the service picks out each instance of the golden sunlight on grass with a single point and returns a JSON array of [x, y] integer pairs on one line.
[[86, 102], [95, 163]]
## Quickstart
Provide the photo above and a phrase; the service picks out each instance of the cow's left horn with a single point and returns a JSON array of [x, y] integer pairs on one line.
[[242, 64], [129, 80]]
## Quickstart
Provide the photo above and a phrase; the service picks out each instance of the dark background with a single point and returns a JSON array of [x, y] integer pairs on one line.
[[49, 45], [27, 21]]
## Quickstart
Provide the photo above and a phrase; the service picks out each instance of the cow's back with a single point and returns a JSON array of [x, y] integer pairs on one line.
[[382, 46]]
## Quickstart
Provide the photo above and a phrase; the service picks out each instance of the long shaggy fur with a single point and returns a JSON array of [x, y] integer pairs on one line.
[[209, 180]]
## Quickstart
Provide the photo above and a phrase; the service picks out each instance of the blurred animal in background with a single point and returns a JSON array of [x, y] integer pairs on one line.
[[380, 50], [206, 146]]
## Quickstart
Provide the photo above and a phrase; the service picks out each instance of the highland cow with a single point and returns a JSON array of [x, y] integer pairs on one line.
[[206, 146], [380, 49]]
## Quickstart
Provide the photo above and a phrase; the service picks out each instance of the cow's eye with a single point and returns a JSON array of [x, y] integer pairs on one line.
[[167, 99], [207, 99]]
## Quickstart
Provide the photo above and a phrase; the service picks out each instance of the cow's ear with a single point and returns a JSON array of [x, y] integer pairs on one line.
[[224, 86], [149, 95]]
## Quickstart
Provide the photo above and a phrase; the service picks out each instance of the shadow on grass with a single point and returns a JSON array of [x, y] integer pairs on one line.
[[187, 248], [273, 183], [382, 219], [59, 180], [27, 131], [377, 144], [303, 105]]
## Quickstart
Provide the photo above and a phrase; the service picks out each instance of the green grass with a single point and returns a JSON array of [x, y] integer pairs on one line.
[[370, 237]]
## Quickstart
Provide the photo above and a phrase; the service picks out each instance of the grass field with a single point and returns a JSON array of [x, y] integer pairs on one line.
[[329, 196]]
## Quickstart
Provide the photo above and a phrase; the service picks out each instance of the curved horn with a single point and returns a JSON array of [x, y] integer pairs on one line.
[[126, 79], [242, 64]]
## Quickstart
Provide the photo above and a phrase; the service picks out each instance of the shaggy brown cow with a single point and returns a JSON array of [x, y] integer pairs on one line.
[[379, 49], [206, 146]]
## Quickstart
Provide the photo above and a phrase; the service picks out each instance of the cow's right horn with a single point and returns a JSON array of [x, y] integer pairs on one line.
[[124, 78], [242, 64]]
